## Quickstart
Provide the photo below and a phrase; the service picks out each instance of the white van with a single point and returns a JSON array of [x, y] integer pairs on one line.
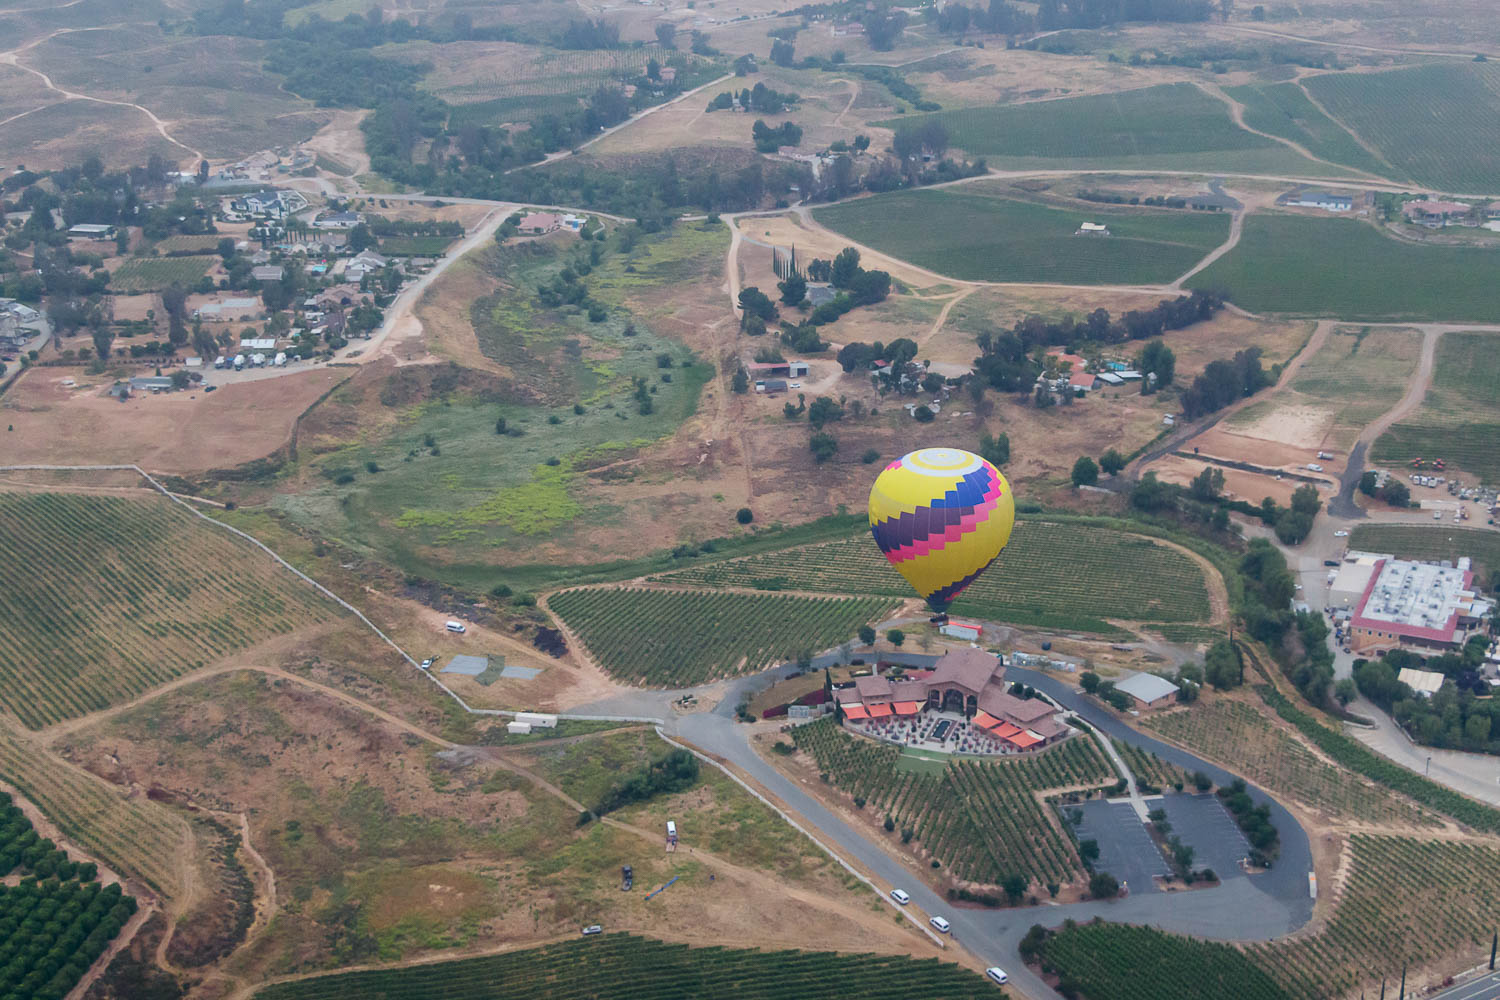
[[997, 974], [453, 626], [939, 924], [900, 896], [671, 828]]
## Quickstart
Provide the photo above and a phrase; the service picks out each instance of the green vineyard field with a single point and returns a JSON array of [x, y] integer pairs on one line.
[[980, 819], [671, 638], [1119, 962], [1284, 109], [621, 965], [147, 274], [1053, 575], [108, 597]]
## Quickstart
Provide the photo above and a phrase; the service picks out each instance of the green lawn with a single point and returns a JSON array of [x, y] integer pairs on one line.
[[1172, 126], [982, 237], [1348, 269], [1440, 124], [1284, 109], [1459, 419]]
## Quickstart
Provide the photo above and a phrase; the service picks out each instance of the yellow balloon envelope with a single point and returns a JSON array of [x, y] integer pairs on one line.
[[941, 515]]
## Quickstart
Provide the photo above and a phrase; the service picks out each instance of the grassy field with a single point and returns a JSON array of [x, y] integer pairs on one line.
[[1459, 418], [654, 971], [198, 244], [982, 238], [1435, 543], [981, 820], [415, 246], [1284, 109], [1121, 962], [1243, 738], [134, 836], [1439, 124], [150, 274], [1175, 126], [1109, 575], [119, 595], [1282, 265], [672, 638]]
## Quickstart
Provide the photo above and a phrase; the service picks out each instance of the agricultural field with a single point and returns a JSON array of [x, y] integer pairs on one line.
[[150, 274], [136, 837], [1111, 575], [1120, 962], [1459, 419], [1151, 769], [1409, 116], [1284, 109], [180, 243], [123, 594], [1375, 930], [52, 931], [1281, 266], [671, 638], [1173, 126], [981, 819], [1357, 376], [1431, 543], [1244, 739], [655, 971], [983, 238]]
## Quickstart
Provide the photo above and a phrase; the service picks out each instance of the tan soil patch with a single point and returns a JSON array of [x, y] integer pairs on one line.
[[1300, 426], [1238, 485]]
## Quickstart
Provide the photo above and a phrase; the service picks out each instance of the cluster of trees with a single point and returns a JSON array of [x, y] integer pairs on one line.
[[1104, 690], [1393, 491], [857, 355], [759, 98], [1223, 382], [856, 286], [1298, 639], [769, 139], [1456, 717], [999, 18], [672, 772], [1052, 15], [1254, 820], [266, 19]]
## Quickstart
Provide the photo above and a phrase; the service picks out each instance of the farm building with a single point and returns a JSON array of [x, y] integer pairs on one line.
[[1111, 379], [1092, 229], [1148, 690], [151, 383], [268, 272], [962, 630], [23, 313], [91, 231], [770, 386], [966, 681], [1422, 682], [537, 720], [1087, 381], [1326, 200], [1419, 606], [786, 369], [539, 223], [338, 220], [518, 728]]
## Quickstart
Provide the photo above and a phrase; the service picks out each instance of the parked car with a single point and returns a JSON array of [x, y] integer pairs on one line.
[[427, 663], [900, 896], [592, 929], [942, 926], [627, 878], [1341, 533], [997, 974], [455, 626], [1330, 562]]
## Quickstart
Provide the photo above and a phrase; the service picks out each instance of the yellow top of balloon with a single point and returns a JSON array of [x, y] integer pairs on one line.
[[941, 515]]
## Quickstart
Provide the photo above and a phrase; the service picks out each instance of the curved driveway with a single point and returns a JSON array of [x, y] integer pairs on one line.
[[1254, 908]]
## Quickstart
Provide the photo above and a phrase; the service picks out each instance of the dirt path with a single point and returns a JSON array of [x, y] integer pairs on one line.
[[942, 316], [1466, 56], [1366, 146], [1416, 389], [854, 96], [1236, 228], [122, 940], [1237, 113]]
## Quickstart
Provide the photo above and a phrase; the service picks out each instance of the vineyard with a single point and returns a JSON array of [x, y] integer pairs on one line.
[[982, 820], [1407, 115], [1119, 962], [1461, 396], [133, 836], [670, 638], [1151, 769], [57, 920], [1058, 575], [1284, 109], [1405, 902], [119, 595], [1407, 541], [620, 965], [1240, 737], [555, 74], [148, 274]]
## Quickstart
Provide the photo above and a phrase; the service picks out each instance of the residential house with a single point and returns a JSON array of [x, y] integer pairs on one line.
[[1087, 381], [669, 74], [539, 223], [1326, 200], [91, 231], [1436, 214], [364, 263], [268, 272], [11, 335], [1092, 229], [338, 220]]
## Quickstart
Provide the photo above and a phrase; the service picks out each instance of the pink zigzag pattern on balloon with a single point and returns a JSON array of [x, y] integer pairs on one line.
[[934, 543]]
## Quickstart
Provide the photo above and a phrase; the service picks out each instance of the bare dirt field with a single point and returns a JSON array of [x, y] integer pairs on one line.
[[182, 432], [1238, 485]]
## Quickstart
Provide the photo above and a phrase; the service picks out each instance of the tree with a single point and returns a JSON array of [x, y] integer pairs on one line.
[[1085, 472], [896, 637], [1368, 483], [226, 248], [861, 142], [1207, 484], [103, 338], [1102, 885], [1345, 690], [782, 52], [744, 515], [824, 410], [1089, 681], [757, 303], [741, 381], [1015, 887], [845, 266], [1305, 500], [793, 289], [867, 635], [1221, 665], [1088, 850], [666, 36], [1156, 358], [174, 301], [1395, 493], [823, 447], [994, 449], [1111, 462]]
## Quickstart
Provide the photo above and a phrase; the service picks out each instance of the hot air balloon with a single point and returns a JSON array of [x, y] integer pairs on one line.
[[941, 515]]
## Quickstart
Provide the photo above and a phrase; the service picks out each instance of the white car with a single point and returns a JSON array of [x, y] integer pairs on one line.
[[427, 663], [900, 896], [997, 974], [939, 924], [455, 626], [795, 385], [592, 929], [1341, 533]]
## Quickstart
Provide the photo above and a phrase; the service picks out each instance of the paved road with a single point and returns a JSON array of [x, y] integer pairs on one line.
[[1257, 908], [1484, 988]]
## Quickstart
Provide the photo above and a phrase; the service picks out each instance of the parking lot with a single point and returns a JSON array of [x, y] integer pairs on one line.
[[1202, 822], [1125, 849]]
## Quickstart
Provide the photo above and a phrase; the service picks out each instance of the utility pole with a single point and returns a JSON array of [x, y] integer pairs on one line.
[[1493, 942], [1403, 982]]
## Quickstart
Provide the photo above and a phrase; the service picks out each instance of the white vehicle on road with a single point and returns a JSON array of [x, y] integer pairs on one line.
[[900, 896], [1341, 533], [940, 925], [997, 974]]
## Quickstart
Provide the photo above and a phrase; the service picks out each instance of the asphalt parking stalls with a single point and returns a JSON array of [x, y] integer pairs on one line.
[[1202, 822], [1125, 849]]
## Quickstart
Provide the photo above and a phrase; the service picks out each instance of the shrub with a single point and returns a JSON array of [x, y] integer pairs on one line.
[[744, 515]]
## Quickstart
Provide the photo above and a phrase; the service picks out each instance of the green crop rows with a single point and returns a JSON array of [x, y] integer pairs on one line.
[[1281, 266], [1242, 738], [1053, 575], [622, 965], [980, 819], [980, 237], [107, 597], [670, 638], [1149, 768], [1119, 962], [57, 921], [1284, 109], [1461, 396], [1439, 124], [147, 274], [1413, 541]]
